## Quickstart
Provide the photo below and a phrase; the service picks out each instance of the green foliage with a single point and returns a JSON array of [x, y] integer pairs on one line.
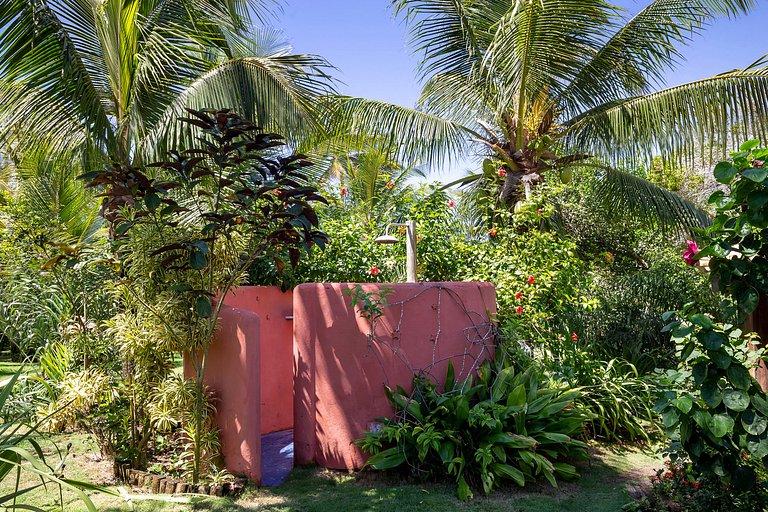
[[351, 255], [681, 489], [20, 452], [183, 238], [713, 409], [736, 242], [499, 426]]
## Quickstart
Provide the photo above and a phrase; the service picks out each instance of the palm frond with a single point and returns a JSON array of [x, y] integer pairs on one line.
[[52, 51], [409, 135], [279, 93], [642, 50], [464, 100], [451, 35], [625, 194], [539, 46], [677, 122]]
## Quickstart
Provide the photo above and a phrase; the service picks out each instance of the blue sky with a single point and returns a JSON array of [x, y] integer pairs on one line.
[[369, 46]]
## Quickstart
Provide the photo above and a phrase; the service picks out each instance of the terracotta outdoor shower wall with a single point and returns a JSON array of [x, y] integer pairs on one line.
[[232, 360], [340, 377], [275, 309]]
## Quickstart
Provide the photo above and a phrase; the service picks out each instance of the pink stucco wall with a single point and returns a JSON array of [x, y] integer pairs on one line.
[[276, 334], [232, 360], [340, 376]]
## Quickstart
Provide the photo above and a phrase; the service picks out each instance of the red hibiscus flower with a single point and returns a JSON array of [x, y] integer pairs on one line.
[[531, 279], [375, 271], [519, 295], [519, 310], [502, 172], [343, 191], [690, 252]]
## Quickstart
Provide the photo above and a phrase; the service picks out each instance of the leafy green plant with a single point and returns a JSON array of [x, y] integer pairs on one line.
[[497, 426], [370, 305], [736, 242], [185, 237], [679, 488], [713, 410]]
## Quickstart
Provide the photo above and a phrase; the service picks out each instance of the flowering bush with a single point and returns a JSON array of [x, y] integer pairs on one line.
[[677, 488]]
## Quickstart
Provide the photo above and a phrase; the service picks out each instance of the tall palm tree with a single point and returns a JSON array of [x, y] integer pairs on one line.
[[374, 185], [107, 79], [540, 86]]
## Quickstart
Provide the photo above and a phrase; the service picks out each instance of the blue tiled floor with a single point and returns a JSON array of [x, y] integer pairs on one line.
[[276, 457]]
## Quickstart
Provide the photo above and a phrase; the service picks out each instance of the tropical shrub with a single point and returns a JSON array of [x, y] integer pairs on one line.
[[183, 238], [736, 243], [678, 488], [713, 410], [500, 425]]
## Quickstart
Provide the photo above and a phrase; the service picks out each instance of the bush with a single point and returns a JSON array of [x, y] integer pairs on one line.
[[500, 426], [680, 489]]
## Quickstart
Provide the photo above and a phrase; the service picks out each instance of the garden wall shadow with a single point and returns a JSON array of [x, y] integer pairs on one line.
[[341, 371]]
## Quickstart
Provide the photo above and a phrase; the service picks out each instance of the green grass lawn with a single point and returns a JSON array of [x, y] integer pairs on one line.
[[602, 488]]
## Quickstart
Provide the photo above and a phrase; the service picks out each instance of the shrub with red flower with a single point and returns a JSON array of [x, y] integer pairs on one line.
[[519, 295], [519, 310], [531, 279], [375, 271]]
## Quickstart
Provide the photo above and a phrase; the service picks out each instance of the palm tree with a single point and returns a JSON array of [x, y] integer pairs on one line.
[[537, 87], [107, 79], [374, 185]]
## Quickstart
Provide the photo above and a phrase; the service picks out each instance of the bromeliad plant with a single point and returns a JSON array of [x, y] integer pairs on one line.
[[186, 235], [498, 426]]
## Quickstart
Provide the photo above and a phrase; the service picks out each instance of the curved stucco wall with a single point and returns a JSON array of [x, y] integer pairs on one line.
[[340, 373]]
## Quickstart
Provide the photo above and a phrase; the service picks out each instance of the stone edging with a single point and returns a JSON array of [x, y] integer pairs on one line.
[[162, 484]]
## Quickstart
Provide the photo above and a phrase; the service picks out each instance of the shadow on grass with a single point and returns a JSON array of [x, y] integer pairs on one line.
[[602, 488]]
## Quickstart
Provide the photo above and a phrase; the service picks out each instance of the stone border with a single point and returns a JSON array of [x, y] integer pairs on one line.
[[162, 484]]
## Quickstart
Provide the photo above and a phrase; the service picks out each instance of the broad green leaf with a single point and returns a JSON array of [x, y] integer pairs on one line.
[[756, 175], [758, 445], [712, 340], [739, 376], [725, 172], [711, 394], [721, 425], [754, 423], [203, 307], [757, 199], [736, 400], [509, 472], [760, 403], [702, 321], [683, 403]]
